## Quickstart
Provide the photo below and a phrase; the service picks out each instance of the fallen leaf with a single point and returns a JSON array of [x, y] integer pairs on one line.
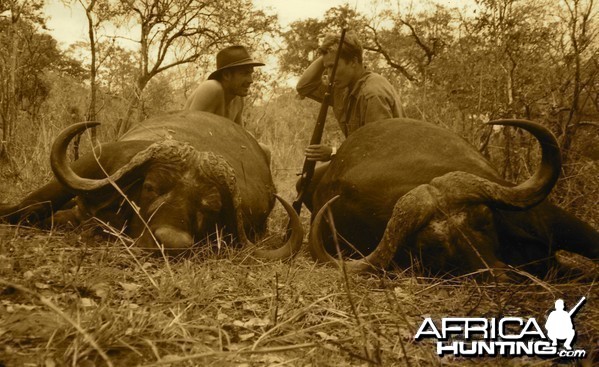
[[169, 358], [325, 336], [246, 336], [19, 306], [253, 322], [41, 285], [88, 302], [271, 360], [251, 306], [101, 290], [256, 321], [130, 288]]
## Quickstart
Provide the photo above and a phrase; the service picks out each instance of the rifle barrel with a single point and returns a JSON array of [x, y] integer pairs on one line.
[[571, 312], [309, 165]]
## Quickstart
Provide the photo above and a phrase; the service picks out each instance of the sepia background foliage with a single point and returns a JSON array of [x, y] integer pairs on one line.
[[534, 59], [455, 67]]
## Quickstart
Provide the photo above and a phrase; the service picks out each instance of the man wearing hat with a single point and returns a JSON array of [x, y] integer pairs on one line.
[[359, 97], [223, 92]]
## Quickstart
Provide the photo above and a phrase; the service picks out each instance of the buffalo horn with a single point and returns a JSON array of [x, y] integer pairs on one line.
[[65, 174], [293, 244], [414, 210], [216, 167], [421, 207], [534, 190]]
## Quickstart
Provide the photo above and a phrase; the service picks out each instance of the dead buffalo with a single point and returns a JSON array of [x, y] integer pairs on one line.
[[186, 174], [413, 190]]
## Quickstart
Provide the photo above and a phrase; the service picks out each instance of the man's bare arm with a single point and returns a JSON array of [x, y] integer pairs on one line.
[[238, 116]]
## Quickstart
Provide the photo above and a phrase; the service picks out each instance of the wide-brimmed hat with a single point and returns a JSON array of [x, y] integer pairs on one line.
[[233, 56]]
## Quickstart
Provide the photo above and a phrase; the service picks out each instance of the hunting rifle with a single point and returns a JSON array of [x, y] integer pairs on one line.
[[575, 308], [308, 168]]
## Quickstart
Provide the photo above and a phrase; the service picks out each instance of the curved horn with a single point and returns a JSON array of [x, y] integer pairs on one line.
[[536, 188], [413, 211], [59, 162], [219, 169], [293, 244], [67, 177], [315, 242]]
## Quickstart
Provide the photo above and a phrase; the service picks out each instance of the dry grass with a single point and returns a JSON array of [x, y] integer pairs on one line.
[[74, 299], [80, 299]]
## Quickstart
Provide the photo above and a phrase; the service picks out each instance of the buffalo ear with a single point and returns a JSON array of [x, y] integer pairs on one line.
[[211, 200], [229, 212], [220, 173]]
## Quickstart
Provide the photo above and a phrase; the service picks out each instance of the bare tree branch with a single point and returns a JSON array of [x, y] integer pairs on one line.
[[381, 50]]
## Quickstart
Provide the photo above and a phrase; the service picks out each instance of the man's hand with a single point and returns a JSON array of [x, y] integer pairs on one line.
[[318, 152]]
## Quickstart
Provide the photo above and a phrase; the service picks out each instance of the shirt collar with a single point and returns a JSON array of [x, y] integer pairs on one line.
[[358, 85]]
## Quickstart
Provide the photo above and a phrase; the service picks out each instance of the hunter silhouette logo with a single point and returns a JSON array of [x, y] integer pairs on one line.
[[559, 323], [506, 336]]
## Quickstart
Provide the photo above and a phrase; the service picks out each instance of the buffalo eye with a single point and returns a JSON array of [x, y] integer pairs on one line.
[[150, 189], [480, 218]]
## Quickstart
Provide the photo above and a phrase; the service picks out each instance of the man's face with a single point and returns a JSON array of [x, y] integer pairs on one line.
[[238, 80], [345, 70]]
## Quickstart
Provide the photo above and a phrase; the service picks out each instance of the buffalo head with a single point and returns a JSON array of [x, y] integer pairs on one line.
[[449, 222], [168, 194]]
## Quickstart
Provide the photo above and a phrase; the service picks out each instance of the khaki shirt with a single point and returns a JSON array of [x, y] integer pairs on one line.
[[372, 98]]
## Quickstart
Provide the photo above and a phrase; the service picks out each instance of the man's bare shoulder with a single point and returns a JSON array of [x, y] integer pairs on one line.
[[210, 86], [208, 96]]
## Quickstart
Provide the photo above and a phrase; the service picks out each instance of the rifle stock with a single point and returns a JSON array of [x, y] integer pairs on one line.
[[308, 167]]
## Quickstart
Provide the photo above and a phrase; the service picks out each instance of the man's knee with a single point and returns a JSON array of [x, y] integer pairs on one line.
[[311, 187], [306, 191]]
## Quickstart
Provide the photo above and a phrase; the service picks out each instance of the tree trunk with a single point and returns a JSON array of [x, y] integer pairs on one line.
[[91, 114], [10, 117], [135, 103]]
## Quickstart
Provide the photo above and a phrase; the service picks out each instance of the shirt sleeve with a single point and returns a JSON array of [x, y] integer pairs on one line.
[[310, 83], [377, 108]]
